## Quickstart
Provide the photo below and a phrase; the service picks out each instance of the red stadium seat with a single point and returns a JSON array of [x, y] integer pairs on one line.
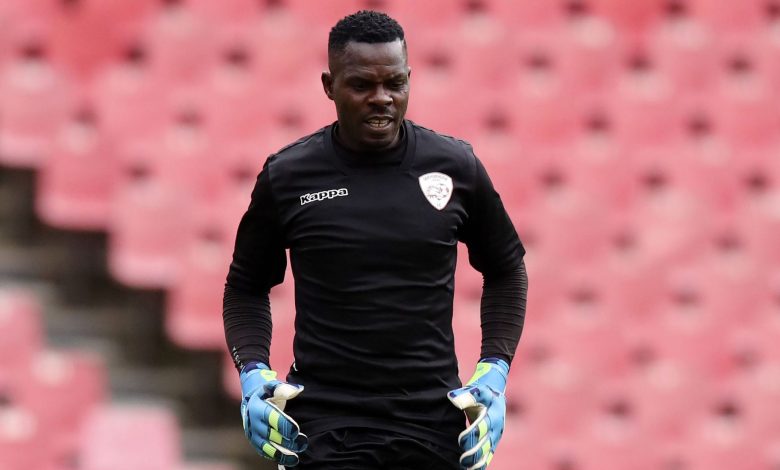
[[552, 396], [530, 14], [130, 437], [631, 20], [686, 56], [230, 381], [61, 388], [20, 321], [74, 29], [36, 99], [148, 219], [76, 184], [180, 43], [20, 439], [193, 316], [731, 17]]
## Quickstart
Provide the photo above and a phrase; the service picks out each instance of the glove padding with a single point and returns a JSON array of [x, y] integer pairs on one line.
[[273, 434], [483, 401]]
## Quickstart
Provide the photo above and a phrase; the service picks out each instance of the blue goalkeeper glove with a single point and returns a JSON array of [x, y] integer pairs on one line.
[[273, 434], [483, 401]]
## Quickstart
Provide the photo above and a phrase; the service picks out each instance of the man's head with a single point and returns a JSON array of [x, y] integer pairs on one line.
[[368, 79]]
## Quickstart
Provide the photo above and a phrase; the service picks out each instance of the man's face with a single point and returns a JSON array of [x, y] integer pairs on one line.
[[369, 83]]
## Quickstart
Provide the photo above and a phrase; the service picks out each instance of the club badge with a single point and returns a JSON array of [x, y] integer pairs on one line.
[[437, 188]]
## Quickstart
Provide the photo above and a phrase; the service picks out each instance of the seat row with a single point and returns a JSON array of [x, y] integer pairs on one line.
[[55, 408]]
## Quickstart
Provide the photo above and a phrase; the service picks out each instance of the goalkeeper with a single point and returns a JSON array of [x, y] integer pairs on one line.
[[371, 209]]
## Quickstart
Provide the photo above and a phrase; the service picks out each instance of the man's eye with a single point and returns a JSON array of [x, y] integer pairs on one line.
[[398, 85]]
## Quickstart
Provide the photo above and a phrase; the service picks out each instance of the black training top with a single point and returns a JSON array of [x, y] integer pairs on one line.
[[373, 244]]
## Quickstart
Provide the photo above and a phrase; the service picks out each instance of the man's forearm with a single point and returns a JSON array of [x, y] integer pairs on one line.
[[502, 312], [247, 321]]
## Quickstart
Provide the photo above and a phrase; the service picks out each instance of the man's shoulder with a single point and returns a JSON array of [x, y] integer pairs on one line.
[[434, 138], [437, 151], [303, 148]]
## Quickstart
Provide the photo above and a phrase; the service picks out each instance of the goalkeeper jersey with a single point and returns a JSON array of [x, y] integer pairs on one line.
[[373, 243]]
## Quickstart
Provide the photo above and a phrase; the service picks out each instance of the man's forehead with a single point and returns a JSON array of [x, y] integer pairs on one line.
[[363, 54]]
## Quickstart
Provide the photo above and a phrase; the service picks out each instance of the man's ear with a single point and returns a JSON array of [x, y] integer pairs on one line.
[[327, 83]]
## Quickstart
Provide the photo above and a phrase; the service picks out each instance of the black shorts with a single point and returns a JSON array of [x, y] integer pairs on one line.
[[374, 449]]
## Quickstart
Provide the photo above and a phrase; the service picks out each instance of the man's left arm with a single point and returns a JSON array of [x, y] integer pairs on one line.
[[496, 251]]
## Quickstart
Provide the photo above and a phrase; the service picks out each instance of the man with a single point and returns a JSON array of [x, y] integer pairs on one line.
[[372, 208]]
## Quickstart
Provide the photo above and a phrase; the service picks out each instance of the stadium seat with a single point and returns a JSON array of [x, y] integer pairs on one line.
[[731, 17], [631, 21], [553, 397], [20, 321], [61, 388], [230, 381], [147, 221], [666, 396], [36, 99], [193, 313], [74, 29], [20, 439], [76, 183], [130, 437], [529, 15], [761, 130], [180, 43], [685, 55]]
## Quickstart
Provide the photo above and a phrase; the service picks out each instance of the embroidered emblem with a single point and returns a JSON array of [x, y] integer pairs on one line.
[[437, 188]]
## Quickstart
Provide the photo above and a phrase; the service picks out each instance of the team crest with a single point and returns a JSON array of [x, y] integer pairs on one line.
[[437, 188]]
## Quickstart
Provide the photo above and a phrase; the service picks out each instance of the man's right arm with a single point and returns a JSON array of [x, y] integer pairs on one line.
[[259, 263]]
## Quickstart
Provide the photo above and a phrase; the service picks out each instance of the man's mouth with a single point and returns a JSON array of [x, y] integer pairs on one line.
[[379, 122]]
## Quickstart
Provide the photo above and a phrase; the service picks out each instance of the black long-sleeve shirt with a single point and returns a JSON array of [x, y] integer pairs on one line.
[[372, 243]]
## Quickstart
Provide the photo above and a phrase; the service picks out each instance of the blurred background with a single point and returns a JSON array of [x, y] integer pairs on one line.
[[636, 145]]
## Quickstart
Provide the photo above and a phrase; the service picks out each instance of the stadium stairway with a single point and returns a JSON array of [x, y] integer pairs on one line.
[[87, 320]]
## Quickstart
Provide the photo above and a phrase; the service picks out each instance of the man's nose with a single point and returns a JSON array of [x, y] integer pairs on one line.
[[381, 97]]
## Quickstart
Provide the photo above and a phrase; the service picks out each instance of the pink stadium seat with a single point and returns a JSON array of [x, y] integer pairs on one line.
[[20, 439], [193, 316], [417, 17], [180, 43], [76, 184], [131, 437], [317, 20], [61, 388], [631, 20], [230, 381], [549, 119], [731, 17], [75, 27], [552, 396], [760, 130], [148, 219], [665, 396], [531, 14], [36, 99], [131, 102], [288, 46], [20, 321], [686, 58]]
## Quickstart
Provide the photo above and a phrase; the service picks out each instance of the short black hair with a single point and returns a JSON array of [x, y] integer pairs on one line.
[[364, 26]]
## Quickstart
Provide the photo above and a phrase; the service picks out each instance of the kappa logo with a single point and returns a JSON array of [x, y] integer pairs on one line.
[[322, 195], [437, 188]]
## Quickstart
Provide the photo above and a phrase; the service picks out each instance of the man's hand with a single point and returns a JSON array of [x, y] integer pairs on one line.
[[273, 433], [485, 405]]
